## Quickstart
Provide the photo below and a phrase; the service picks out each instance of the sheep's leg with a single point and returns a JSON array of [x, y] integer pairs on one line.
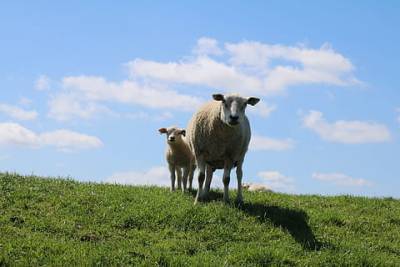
[[239, 175], [201, 176], [172, 173], [179, 175], [186, 171], [209, 173], [191, 174], [226, 179]]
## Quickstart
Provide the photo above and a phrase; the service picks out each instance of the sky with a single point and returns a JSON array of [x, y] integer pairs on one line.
[[85, 86]]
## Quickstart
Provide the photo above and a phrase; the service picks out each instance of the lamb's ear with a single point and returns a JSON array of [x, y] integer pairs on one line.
[[218, 97], [183, 132], [252, 101], [162, 130]]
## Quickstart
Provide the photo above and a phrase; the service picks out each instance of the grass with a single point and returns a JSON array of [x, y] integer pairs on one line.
[[64, 222]]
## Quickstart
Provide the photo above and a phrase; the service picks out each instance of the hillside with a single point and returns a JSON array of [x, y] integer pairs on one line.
[[64, 222]]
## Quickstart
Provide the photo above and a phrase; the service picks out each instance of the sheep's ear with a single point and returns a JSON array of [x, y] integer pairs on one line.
[[218, 97], [252, 101], [162, 130], [183, 132]]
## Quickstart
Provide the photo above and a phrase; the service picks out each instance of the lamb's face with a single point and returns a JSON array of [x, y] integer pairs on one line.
[[233, 108], [174, 134]]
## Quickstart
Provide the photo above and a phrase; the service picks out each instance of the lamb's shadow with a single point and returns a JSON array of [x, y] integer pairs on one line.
[[293, 221]]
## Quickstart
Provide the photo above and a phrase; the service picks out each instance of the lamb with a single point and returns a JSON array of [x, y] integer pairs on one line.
[[179, 157], [219, 135]]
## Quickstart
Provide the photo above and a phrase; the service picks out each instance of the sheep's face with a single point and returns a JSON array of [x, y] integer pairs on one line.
[[233, 108], [174, 134]]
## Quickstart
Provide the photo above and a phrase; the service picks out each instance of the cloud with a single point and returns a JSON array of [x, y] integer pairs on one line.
[[24, 101], [15, 134], [251, 67], [63, 107], [262, 109], [148, 116], [202, 71], [87, 96], [277, 181], [259, 54], [158, 175], [340, 179], [66, 140], [258, 143], [42, 83], [207, 46], [347, 132], [18, 113], [63, 140]]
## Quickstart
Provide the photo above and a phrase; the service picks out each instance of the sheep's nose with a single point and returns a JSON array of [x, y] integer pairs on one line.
[[233, 118], [172, 138]]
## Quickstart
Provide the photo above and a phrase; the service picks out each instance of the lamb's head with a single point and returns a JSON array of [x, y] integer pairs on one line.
[[233, 107], [174, 134]]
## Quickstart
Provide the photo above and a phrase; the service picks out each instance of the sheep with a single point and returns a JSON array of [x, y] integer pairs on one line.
[[219, 135], [256, 187], [179, 157]]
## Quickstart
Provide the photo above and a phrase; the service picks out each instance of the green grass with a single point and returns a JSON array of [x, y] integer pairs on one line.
[[64, 222]]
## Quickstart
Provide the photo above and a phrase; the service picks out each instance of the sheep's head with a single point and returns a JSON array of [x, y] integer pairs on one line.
[[174, 134], [233, 107]]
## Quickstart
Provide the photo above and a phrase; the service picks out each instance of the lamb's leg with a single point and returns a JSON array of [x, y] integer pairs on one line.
[[179, 175], [209, 174], [186, 171], [201, 176], [172, 173], [226, 179], [239, 175]]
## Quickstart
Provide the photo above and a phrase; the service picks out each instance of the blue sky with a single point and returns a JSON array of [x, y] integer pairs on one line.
[[86, 85]]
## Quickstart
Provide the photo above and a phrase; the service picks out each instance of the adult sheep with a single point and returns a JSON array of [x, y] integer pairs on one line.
[[219, 135]]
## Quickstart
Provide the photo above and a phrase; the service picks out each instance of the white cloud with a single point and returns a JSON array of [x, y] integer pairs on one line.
[[24, 101], [259, 54], [66, 140], [15, 134], [202, 71], [207, 46], [158, 175], [252, 67], [63, 140], [347, 132], [258, 142], [277, 181], [341, 179], [65, 107], [18, 113], [147, 116], [42, 83], [262, 109], [87, 96], [129, 92]]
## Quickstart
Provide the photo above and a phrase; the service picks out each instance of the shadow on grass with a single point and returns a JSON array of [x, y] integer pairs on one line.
[[291, 220]]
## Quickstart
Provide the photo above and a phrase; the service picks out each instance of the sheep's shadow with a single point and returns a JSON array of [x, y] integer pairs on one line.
[[291, 220]]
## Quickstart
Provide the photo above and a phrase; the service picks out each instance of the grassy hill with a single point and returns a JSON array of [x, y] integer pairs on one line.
[[64, 222]]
